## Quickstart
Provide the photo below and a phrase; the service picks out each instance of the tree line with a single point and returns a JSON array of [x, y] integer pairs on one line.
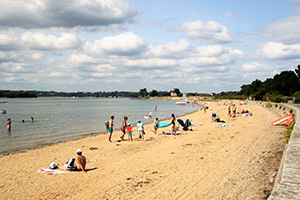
[[281, 88], [143, 93]]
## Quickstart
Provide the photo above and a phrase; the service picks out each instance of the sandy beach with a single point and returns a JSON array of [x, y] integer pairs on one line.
[[237, 162]]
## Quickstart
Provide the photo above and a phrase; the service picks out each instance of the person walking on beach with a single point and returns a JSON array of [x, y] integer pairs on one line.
[[110, 127], [8, 124], [129, 132], [173, 123], [140, 127], [123, 127], [156, 125]]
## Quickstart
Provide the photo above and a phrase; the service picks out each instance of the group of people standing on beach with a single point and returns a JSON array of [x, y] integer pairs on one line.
[[126, 128]]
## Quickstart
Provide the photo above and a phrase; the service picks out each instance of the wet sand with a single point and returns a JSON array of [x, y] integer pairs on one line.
[[238, 162]]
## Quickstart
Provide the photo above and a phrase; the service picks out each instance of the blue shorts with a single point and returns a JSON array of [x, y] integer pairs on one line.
[[110, 129], [129, 134], [155, 127]]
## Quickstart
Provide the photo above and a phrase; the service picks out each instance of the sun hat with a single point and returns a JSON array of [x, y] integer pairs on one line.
[[53, 166], [129, 124], [138, 120], [78, 151]]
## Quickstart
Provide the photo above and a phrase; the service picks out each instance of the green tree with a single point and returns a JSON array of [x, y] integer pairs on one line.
[[153, 93], [177, 91], [143, 92]]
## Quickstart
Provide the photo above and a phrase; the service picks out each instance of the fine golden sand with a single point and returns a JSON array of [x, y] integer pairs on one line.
[[238, 162]]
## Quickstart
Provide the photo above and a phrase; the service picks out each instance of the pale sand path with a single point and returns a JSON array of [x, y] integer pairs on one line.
[[207, 163]]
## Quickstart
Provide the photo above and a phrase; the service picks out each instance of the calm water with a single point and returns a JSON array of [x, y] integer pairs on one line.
[[61, 119]]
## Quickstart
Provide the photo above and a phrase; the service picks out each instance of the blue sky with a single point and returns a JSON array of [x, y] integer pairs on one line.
[[108, 45]]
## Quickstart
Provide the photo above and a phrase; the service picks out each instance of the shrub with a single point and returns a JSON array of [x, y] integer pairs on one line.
[[291, 110], [287, 133], [269, 105]]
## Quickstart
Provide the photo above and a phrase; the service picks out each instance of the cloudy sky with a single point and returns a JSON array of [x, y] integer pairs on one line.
[[115, 45]]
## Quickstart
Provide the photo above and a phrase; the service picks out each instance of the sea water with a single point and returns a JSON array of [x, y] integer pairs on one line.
[[61, 119]]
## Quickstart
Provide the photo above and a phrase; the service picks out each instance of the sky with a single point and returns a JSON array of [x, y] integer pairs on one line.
[[126, 45]]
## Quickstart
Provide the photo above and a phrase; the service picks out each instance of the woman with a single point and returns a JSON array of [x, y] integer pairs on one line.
[[173, 123], [123, 127]]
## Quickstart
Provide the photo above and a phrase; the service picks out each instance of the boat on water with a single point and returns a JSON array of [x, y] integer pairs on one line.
[[184, 100], [3, 101]]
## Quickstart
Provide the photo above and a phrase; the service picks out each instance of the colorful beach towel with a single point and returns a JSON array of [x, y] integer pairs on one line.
[[178, 133], [50, 171]]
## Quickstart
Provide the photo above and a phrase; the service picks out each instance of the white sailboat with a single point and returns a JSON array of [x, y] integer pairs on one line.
[[184, 100]]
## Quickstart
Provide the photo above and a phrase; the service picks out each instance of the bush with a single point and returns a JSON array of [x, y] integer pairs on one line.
[[291, 110], [269, 105], [287, 133]]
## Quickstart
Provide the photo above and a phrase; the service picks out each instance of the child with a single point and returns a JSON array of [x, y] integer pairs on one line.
[[129, 132], [156, 125], [140, 129]]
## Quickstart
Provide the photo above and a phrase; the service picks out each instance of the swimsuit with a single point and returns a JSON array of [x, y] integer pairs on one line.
[[129, 133], [110, 129]]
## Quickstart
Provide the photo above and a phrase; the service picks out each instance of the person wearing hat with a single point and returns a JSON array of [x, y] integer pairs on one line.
[[140, 127], [80, 161], [75, 164], [129, 132]]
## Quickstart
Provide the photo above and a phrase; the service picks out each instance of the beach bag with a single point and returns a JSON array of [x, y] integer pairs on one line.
[[106, 124], [71, 162]]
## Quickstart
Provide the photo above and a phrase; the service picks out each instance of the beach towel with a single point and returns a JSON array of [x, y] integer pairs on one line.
[[227, 125], [50, 171], [199, 124]]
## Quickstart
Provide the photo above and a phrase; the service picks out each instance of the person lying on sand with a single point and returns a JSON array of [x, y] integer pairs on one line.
[[75, 164], [216, 118]]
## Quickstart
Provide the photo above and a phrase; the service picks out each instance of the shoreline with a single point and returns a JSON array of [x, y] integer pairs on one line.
[[206, 163], [86, 135]]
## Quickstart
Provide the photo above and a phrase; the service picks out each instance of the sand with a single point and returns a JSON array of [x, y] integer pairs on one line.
[[238, 162]]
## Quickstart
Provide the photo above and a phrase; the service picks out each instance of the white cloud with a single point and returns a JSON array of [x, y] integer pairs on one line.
[[171, 49], [123, 44], [286, 30], [278, 50], [71, 13], [209, 33], [256, 70], [40, 41]]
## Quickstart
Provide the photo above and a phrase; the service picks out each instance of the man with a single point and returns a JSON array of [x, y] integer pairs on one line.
[[80, 161], [110, 127], [75, 164]]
